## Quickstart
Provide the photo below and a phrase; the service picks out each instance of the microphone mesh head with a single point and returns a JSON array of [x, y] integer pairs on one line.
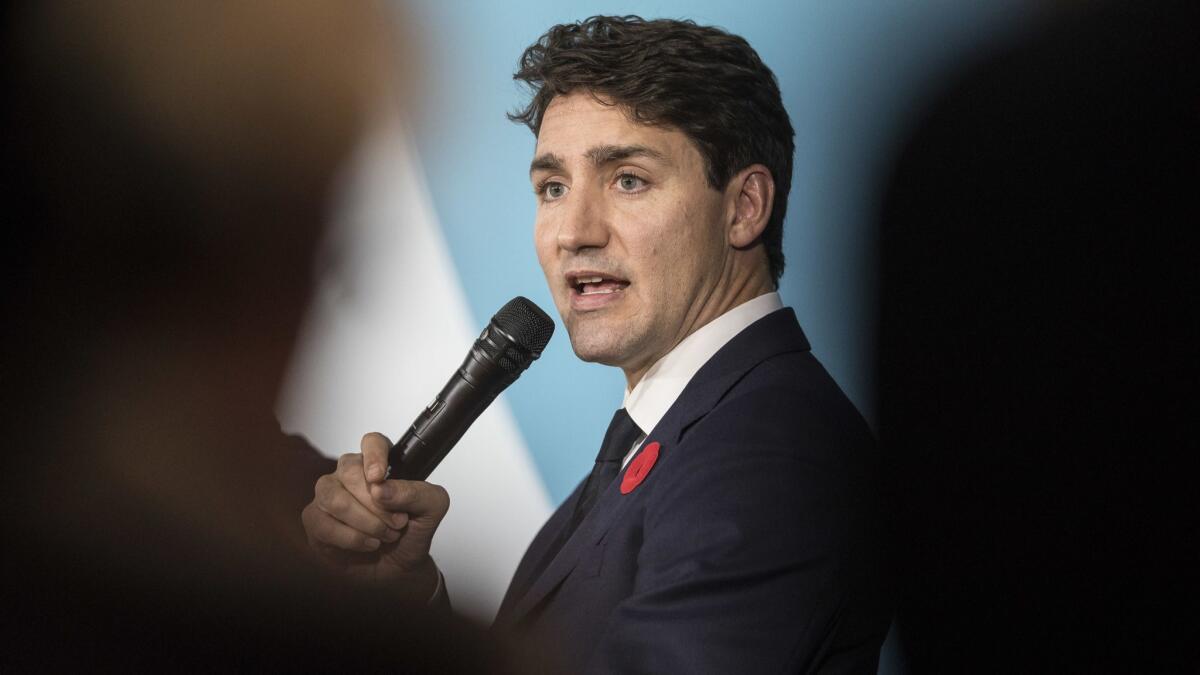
[[526, 323]]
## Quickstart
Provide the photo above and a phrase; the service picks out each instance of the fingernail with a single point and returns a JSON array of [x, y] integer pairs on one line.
[[381, 491], [373, 543], [400, 520], [374, 472]]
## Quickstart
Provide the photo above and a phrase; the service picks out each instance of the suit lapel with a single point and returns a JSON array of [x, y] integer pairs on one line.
[[593, 527], [774, 334], [537, 550]]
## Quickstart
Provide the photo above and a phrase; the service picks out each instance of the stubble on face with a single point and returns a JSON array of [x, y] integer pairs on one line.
[[647, 222]]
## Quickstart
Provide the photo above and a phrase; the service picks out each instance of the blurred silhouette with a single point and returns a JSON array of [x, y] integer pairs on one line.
[[170, 167], [1037, 356]]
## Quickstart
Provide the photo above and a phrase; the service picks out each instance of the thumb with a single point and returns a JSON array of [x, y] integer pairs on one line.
[[375, 448]]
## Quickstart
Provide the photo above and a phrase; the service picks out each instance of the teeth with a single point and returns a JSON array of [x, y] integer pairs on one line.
[[589, 280], [605, 291]]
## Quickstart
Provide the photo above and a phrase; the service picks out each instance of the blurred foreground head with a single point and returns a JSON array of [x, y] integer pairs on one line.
[[173, 165]]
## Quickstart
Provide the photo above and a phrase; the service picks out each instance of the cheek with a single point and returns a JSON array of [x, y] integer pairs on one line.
[[675, 241], [543, 245], [704, 241]]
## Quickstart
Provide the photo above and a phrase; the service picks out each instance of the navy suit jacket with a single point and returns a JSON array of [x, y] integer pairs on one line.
[[753, 545]]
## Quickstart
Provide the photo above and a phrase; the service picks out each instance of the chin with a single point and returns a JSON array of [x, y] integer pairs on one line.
[[591, 355], [597, 349]]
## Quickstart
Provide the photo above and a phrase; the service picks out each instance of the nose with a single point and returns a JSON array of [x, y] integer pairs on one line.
[[584, 221]]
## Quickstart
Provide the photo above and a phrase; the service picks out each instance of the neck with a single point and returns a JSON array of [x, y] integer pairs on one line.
[[720, 301]]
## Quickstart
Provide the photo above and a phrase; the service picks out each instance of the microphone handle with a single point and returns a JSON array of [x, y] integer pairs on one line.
[[472, 388]]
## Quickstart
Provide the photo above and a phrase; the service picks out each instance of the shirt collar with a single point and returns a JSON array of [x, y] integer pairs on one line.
[[656, 392]]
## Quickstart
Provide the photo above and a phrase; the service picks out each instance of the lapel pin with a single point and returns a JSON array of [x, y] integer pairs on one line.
[[640, 467]]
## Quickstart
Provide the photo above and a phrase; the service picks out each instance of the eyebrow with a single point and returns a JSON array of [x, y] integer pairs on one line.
[[600, 155], [603, 154], [546, 162]]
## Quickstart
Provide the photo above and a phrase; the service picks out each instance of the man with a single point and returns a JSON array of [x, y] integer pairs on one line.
[[740, 532]]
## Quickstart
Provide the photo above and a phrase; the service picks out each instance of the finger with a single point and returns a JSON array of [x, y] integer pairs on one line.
[[350, 474], [375, 448], [324, 529], [332, 497], [417, 498]]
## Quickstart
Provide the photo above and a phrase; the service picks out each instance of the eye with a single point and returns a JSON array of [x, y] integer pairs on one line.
[[550, 190], [629, 182]]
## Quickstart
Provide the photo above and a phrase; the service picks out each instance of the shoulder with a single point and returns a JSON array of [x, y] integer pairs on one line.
[[789, 405], [782, 441]]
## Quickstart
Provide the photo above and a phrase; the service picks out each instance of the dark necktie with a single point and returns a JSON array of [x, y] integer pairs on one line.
[[618, 440]]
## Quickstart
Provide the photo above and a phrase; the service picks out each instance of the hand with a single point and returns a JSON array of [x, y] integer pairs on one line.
[[372, 528]]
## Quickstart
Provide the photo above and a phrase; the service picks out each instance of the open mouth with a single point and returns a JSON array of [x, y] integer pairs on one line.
[[593, 283]]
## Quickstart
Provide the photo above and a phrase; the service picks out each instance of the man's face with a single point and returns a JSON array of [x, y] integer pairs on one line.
[[629, 233]]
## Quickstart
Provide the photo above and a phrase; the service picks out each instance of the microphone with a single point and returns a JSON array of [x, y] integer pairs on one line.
[[513, 339]]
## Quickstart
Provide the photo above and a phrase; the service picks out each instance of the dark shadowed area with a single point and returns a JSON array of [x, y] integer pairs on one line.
[[1037, 360]]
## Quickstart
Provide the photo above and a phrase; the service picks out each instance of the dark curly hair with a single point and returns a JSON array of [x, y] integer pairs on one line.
[[703, 81]]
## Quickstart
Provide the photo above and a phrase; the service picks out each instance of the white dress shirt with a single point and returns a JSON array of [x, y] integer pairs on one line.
[[666, 379]]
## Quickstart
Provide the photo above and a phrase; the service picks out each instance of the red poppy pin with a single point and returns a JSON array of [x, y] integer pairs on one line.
[[640, 467]]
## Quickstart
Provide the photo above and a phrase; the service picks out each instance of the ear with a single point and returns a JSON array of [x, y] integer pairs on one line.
[[753, 191]]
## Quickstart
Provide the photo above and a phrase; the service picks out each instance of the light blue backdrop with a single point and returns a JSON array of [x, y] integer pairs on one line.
[[849, 72]]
